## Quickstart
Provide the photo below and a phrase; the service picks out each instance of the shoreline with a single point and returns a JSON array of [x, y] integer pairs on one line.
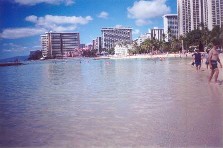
[[149, 56], [10, 64]]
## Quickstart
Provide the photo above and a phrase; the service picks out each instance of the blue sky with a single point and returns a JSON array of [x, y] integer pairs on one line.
[[23, 21]]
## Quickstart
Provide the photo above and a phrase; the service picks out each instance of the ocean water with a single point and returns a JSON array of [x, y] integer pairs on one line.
[[109, 103]]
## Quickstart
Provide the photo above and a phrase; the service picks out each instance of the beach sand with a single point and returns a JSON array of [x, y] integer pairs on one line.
[[141, 56]]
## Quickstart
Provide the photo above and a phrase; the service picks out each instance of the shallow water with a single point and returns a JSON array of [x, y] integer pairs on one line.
[[109, 103]]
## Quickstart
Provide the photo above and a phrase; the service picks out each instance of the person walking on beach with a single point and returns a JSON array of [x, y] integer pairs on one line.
[[214, 60], [206, 55], [197, 59]]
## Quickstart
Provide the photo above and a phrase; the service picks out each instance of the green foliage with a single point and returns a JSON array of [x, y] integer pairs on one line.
[[151, 45], [176, 45], [36, 55], [191, 39], [205, 36], [166, 47], [111, 51], [89, 53]]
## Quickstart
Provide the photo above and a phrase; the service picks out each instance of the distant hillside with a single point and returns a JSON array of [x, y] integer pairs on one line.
[[12, 59]]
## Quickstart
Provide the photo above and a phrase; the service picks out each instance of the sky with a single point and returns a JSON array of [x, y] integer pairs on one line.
[[23, 21]]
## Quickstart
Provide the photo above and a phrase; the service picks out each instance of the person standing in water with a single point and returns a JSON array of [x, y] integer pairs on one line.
[[197, 59], [206, 56], [213, 61]]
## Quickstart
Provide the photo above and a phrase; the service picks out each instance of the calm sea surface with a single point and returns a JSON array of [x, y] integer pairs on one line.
[[109, 103]]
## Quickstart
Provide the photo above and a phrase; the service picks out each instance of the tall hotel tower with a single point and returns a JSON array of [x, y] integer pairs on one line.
[[192, 13], [215, 13], [170, 26], [56, 45], [112, 35]]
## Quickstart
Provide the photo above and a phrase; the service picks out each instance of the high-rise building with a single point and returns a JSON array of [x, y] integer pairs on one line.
[[188, 15], [56, 45], [93, 44], [112, 35], [97, 44], [170, 26], [82, 46], [215, 13], [192, 14], [45, 45], [157, 33]]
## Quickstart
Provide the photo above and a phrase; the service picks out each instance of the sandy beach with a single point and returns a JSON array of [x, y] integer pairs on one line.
[[141, 56]]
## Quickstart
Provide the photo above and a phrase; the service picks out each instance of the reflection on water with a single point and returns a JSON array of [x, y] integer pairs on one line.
[[114, 103]]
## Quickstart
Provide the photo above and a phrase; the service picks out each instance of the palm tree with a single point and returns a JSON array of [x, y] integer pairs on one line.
[[169, 33], [205, 36], [162, 45], [175, 45], [135, 48], [193, 38], [215, 33], [166, 46], [148, 44]]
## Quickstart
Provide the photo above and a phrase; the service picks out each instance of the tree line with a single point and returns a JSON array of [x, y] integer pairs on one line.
[[198, 37]]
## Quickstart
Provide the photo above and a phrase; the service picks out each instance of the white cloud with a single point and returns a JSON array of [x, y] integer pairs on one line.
[[50, 19], [103, 14], [119, 26], [44, 24], [69, 2], [11, 47], [15, 33], [14, 47], [136, 31], [31, 18], [141, 22], [37, 46], [7, 50], [62, 28], [58, 23], [54, 2], [10, 44], [143, 10]]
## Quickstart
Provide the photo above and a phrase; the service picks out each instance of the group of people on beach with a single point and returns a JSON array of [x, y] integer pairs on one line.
[[212, 59]]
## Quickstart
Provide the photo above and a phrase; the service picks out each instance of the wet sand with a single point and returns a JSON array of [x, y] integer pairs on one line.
[[148, 56]]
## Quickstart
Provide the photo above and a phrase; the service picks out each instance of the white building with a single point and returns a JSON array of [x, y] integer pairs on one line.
[[215, 13], [56, 45], [184, 8], [142, 38], [193, 13], [170, 23], [122, 49], [112, 35], [157, 34], [45, 45]]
